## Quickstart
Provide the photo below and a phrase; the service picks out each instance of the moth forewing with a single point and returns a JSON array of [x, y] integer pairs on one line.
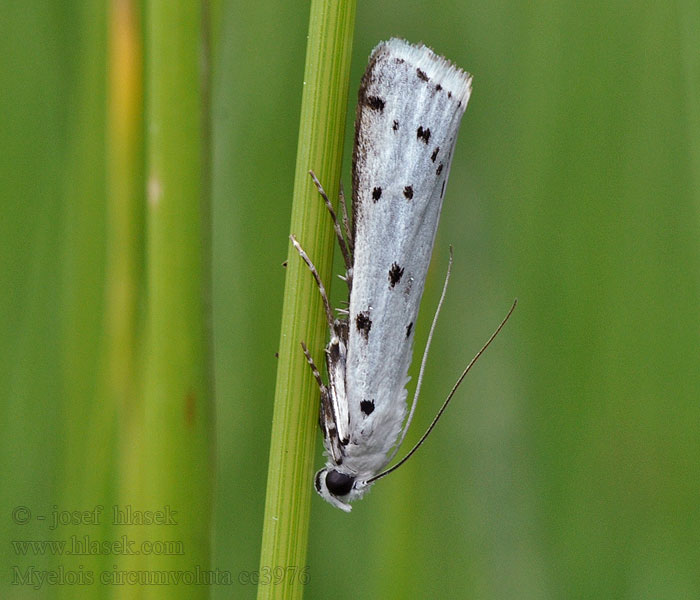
[[410, 106]]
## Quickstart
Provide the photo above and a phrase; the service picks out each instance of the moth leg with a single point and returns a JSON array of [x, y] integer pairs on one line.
[[326, 414], [346, 221], [325, 403], [314, 369], [336, 225], [348, 235], [317, 277]]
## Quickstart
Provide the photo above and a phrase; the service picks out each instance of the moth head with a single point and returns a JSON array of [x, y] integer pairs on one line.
[[339, 488]]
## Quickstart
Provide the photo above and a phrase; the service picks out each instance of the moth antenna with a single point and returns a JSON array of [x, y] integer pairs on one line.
[[336, 225], [317, 277], [425, 359], [449, 396]]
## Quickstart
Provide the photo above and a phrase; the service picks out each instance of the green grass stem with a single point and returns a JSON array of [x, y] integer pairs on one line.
[[321, 134]]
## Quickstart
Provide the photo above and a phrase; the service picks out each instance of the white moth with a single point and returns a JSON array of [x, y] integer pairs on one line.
[[410, 106]]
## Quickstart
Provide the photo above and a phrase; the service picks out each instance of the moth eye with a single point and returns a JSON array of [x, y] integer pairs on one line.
[[339, 484]]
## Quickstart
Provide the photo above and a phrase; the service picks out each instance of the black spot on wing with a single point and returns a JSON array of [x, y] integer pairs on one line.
[[408, 328], [376, 193], [442, 191], [439, 169], [367, 407], [408, 192], [364, 323], [395, 126], [374, 102], [395, 274], [433, 156], [422, 75], [423, 134], [438, 87], [449, 94]]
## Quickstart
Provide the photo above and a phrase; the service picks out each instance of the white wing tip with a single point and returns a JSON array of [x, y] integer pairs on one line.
[[438, 68]]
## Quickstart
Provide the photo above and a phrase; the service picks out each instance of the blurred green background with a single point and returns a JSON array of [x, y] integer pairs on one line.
[[569, 463]]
